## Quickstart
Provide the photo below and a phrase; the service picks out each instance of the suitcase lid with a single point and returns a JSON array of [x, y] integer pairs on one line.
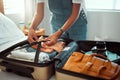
[[11, 43], [110, 46]]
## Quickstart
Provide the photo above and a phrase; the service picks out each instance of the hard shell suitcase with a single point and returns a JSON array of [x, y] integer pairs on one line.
[[112, 48], [38, 71]]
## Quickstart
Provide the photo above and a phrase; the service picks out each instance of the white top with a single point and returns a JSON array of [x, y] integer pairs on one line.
[[82, 2]]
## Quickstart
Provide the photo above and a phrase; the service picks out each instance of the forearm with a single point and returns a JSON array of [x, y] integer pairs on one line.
[[36, 21], [70, 21], [38, 17], [73, 17]]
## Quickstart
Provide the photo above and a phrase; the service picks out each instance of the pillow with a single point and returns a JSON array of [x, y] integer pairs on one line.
[[9, 30]]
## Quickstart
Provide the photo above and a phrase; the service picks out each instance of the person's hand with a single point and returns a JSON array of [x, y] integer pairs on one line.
[[52, 39], [32, 37]]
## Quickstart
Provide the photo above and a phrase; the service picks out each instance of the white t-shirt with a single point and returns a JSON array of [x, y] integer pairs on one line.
[[82, 2]]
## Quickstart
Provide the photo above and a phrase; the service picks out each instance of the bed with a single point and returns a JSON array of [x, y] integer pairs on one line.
[[9, 36]]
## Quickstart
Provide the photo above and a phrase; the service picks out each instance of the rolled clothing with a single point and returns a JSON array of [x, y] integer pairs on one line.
[[51, 55], [30, 55]]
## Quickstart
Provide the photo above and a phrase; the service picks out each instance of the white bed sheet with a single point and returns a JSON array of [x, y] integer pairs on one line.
[[10, 34]]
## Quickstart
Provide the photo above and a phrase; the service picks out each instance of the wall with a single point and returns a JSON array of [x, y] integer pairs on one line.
[[17, 17], [104, 25]]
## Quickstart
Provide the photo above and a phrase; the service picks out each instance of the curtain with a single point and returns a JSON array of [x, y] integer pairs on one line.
[[29, 10]]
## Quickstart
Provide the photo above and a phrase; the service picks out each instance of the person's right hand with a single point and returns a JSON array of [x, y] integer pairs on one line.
[[32, 36]]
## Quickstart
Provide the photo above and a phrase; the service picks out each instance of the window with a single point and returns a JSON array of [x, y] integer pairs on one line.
[[103, 4], [13, 6]]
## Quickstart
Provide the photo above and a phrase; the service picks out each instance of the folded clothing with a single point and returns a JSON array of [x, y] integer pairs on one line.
[[58, 46], [29, 54]]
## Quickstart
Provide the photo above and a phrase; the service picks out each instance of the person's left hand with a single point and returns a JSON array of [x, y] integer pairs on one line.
[[52, 39]]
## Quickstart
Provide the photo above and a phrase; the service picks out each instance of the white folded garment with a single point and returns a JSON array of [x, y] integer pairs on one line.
[[23, 54]]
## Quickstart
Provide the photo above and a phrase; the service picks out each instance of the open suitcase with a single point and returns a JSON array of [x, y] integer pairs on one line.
[[112, 48], [34, 69], [27, 67]]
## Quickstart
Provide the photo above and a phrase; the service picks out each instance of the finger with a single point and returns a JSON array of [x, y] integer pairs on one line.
[[49, 43], [30, 40], [35, 37], [49, 50], [47, 39]]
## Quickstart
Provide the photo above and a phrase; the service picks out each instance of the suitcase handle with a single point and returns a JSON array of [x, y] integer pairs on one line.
[[37, 53], [38, 49]]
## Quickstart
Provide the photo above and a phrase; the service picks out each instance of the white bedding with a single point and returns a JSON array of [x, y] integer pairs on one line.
[[10, 34]]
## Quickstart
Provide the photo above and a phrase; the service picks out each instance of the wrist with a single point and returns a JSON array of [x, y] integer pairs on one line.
[[32, 27], [61, 30]]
